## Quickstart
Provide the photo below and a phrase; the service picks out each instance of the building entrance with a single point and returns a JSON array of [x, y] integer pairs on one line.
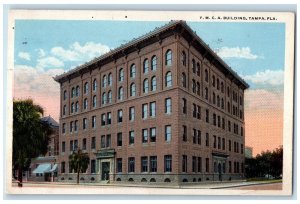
[[105, 166]]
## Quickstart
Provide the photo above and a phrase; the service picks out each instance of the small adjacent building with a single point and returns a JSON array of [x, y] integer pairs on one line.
[[163, 108]]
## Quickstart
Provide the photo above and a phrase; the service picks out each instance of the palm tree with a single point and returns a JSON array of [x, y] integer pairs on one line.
[[79, 162], [30, 134]]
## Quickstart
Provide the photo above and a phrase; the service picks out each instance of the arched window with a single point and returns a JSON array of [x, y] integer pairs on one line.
[[65, 95], [153, 83], [104, 81], [145, 86], [72, 108], [168, 79], [85, 103], [104, 98], [94, 85], [94, 101], [64, 110], [206, 75], [214, 98], [146, 66], [183, 80], [120, 93], [132, 89], [77, 90], [198, 69], [198, 88], [194, 66], [86, 88], [206, 93], [194, 86], [109, 79], [76, 107], [132, 71], [109, 97], [218, 84], [153, 63], [183, 58], [168, 58], [73, 92], [121, 74], [213, 80]]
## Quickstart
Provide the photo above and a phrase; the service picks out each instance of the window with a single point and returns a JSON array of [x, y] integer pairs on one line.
[[207, 140], [242, 149], [85, 103], [153, 163], [184, 133], [76, 107], [153, 63], [76, 126], [146, 66], [119, 165], [198, 88], [184, 106], [219, 143], [86, 88], [63, 146], [214, 119], [153, 83], [223, 143], [194, 86], [194, 110], [168, 58], [71, 126], [206, 93], [120, 116], [168, 79], [194, 135], [242, 131], [222, 87], [215, 141], [214, 98], [144, 164], [145, 86], [198, 69], [131, 164], [93, 144], [193, 66], [222, 103], [121, 75], [198, 137], [153, 134], [132, 89], [77, 91], [65, 95], [131, 114], [168, 105], [84, 143], [145, 111], [73, 92], [168, 133], [84, 123], [199, 164], [183, 58], [198, 112], [93, 121], [219, 121], [184, 163], [108, 140], [218, 101], [168, 163], [64, 110], [94, 85], [183, 80], [223, 123], [109, 97], [120, 93], [131, 137], [119, 139], [64, 128], [213, 81], [108, 118], [206, 75], [102, 141], [229, 145], [241, 100], [63, 167], [72, 107], [93, 166], [152, 109], [132, 71], [103, 119], [218, 84], [194, 162], [71, 145], [109, 79], [144, 136], [104, 98], [229, 126], [104, 81], [95, 101], [207, 164]]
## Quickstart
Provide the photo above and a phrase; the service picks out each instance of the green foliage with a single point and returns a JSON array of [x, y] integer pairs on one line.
[[79, 162], [266, 163], [30, 134]]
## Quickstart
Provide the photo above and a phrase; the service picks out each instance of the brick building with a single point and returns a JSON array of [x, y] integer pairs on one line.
[[161, 108]]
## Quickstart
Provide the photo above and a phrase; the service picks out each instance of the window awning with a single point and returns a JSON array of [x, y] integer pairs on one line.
[[42, 168], [54, 168]]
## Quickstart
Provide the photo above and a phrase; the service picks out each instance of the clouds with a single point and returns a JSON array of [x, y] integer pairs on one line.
[[263, 99], [24, 55], [77, 52], [236, 52], [49, 62], [267, 77]]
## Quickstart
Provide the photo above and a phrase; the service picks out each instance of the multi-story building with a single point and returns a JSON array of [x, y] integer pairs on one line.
[[161, 108]]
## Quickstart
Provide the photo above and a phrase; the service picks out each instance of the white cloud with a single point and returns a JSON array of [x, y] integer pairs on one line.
[[24, 55], [236, 52], [51, 62], [267, 77], [41, 53], [77, 52]]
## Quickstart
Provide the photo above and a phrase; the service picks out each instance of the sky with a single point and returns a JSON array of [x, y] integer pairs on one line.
[[46, 48]]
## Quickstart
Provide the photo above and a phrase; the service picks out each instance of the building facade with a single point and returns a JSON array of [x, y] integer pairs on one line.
[[161, 108]]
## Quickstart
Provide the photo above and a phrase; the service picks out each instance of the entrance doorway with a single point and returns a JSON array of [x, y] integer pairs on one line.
[[105, 166]]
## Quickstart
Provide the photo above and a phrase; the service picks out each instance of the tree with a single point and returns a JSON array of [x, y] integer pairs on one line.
[[30, 134], [79, 162]]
